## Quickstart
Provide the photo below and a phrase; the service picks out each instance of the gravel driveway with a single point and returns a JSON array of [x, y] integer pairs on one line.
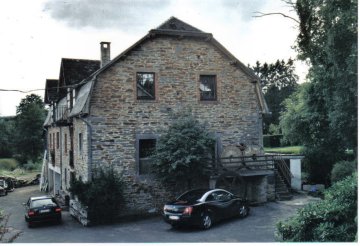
[[258, 227]]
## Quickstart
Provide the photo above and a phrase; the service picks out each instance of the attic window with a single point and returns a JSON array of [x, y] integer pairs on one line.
[[145, 86], [208, 88]]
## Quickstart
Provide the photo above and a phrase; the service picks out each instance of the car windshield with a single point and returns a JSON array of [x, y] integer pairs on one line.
[[2, 183], [43, 202], [192, 196]]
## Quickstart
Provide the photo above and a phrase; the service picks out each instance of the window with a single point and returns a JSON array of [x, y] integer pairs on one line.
[[145, 150], [208, 88], [57, 140], [80, 143], [145, 86]]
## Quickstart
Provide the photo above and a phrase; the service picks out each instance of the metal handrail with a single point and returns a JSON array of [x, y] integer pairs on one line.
[[284, 170]]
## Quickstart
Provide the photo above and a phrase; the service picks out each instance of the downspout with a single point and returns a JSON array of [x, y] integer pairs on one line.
[[41, 183], [61, 158]]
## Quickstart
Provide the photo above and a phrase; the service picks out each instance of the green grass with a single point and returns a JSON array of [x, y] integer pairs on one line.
[[9, 164], [10, 167], [294, 150]]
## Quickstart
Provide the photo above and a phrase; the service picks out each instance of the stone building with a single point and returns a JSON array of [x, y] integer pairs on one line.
[[108, 112]]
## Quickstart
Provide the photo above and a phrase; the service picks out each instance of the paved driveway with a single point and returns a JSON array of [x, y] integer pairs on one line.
[[258, 227]]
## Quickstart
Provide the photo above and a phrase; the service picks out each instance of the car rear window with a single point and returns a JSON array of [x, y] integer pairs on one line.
[[43, 202], [192, 196]]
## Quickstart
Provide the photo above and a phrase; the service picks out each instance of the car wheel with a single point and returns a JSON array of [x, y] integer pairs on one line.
[[243, 211], [206, 221]]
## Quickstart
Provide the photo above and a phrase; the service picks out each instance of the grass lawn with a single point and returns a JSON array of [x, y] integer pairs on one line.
[[10, 167], [295, 150]]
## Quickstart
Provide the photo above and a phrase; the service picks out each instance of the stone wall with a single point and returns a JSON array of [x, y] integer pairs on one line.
[[117, 117], [81, 149]]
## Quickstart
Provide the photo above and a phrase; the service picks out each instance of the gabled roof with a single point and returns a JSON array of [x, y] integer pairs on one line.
[[178, 28], [174, 24], [50, 90], [73, 71]]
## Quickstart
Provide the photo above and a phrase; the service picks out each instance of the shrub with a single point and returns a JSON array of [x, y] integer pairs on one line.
[[8, 164], [102, 196], [329, 220], [182, 152], [343, 169]]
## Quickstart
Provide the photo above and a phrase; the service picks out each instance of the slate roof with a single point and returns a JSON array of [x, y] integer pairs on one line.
[[73, 71], [50, 90]]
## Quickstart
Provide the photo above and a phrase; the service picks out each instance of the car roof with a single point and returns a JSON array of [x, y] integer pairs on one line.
[[206, 192], [203, 198]]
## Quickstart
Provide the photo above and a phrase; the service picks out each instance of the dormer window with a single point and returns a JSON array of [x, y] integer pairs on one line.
[[145, 86]]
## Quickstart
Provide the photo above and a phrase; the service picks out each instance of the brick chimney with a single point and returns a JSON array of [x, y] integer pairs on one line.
[[104, 53]]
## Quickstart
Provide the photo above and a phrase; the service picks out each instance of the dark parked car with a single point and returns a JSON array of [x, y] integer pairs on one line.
[[3, 187], [41, 209], [204, 207]]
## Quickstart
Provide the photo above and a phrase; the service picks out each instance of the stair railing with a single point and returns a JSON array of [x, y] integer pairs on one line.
[[283, 170]]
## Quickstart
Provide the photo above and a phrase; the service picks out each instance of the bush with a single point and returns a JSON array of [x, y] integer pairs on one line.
[[8, 164], [343, 169], [102, 196], [329, 220], [183, 151]]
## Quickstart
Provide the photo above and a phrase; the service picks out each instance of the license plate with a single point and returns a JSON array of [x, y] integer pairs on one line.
[[173, 217], [44, 211]]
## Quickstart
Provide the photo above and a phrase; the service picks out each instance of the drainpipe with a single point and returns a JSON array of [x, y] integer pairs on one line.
[[46, 158], [61, 159], [89, 137]]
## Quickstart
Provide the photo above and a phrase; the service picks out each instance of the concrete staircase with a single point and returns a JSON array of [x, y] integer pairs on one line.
[[282, 191]]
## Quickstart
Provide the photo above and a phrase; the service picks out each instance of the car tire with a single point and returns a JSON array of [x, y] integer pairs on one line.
[[206, 221], [244, 211]]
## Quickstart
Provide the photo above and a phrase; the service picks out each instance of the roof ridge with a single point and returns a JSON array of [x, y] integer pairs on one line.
[[176, 24]]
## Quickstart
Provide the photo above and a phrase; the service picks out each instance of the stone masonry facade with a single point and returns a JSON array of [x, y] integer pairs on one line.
[[106, 123], [117, 117]]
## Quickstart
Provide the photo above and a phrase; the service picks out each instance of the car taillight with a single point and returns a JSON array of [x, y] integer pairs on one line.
[[57, 210], [188, 210], [31, 213]]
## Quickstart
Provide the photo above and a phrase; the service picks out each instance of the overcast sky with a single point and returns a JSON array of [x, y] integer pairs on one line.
[[36, 34]]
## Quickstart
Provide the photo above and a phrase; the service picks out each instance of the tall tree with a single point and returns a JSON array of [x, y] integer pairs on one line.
[[30, 116], [6, 136], [327, 40], [278, 82]]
